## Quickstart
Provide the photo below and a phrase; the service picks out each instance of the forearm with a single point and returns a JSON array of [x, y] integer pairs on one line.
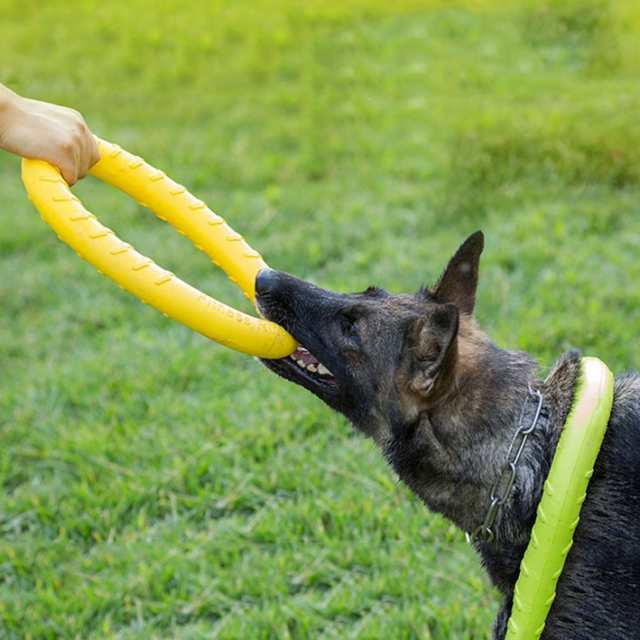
[[13, 115], [7, 103], [6, 96]]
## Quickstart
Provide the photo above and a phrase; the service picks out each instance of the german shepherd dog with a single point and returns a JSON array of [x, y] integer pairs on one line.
[[442, 402]]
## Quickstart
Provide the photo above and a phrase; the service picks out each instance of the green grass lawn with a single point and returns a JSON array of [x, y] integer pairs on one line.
[[157, 485]]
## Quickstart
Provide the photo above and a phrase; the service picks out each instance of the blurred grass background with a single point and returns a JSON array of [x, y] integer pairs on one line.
[[156, 485]]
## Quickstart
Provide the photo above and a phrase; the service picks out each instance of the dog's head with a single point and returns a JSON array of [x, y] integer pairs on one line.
[[373, 355]]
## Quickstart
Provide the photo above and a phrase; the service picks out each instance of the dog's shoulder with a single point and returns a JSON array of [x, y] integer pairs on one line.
[[604, 563], [621, 449], [626, 396], [616, 479]]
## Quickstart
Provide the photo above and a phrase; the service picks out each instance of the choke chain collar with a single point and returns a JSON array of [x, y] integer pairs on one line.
[[502, 487]]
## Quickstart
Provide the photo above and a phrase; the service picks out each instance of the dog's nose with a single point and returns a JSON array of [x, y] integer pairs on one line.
[[267, 281]]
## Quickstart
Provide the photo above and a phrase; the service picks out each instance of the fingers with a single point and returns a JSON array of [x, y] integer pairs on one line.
[[84, 153], [81, 154], [70, 175], [93, 151], [89, 153], [68, 163]]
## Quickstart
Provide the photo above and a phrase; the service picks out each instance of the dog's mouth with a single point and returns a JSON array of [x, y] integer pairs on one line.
[[310, 366], [302, 366], [305, 369]]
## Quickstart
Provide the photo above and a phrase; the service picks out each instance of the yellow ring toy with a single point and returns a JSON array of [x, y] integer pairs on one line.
[[138, 274]]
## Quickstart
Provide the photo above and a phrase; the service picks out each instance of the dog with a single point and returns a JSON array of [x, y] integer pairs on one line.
[[415, 373]]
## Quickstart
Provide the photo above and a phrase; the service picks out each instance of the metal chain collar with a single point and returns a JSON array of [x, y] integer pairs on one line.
[[501, 489]]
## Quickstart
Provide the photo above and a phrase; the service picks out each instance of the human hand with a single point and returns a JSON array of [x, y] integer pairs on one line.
[[34, 129]]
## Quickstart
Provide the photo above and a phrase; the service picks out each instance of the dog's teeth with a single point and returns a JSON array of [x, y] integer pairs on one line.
[[301, 363], [312, 368], [303, 350], [323, 371]]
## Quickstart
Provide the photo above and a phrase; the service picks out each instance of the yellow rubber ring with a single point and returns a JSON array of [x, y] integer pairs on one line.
[[138, 274]]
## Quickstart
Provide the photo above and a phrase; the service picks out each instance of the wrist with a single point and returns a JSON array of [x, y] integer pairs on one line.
[[8, 107]]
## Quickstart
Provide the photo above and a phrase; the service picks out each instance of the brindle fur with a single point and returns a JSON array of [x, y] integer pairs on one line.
[[417, 374]]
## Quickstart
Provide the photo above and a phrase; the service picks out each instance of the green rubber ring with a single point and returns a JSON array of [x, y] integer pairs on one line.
[[559, 510]]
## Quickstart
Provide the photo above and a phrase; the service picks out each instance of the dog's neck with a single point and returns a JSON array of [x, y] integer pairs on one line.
[[488, 404], [502, 557]]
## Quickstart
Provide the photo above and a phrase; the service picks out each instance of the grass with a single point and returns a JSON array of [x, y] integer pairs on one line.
[[156, 485]]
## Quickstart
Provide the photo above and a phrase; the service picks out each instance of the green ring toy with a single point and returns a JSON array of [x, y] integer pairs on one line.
[[559, 510]]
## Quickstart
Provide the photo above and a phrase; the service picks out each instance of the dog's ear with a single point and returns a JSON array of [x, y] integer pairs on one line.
[[459, 281], [434, 348]]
